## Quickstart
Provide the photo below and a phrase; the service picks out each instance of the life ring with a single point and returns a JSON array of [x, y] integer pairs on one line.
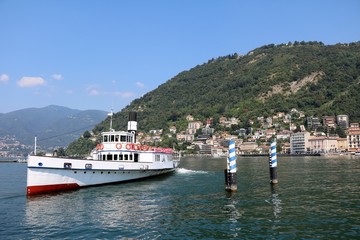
[[118, 146], [129, 146], [138, 147], [99, 146], [144, 147]]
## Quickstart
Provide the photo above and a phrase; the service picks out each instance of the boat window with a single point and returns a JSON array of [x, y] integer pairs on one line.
[[67, 165], [112, 138], [126, 157], [157, 158], [116, 138], [116, 157], [136, 157], [103, 157], [131, 157], [120, 157], [122, 138], [109, 157], [105, 138]]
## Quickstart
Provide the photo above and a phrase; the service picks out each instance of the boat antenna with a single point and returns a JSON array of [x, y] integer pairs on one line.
[[111, 116]]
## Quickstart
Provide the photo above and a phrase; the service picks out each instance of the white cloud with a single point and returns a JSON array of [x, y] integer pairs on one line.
[[57, 76], [30, 81], [140, 85], [92, 90], [4, 78]]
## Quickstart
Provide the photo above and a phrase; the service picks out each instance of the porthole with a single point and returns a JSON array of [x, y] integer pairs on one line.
[[75, 171]]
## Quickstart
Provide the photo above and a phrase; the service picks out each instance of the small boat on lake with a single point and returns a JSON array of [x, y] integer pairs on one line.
[[117, 158]]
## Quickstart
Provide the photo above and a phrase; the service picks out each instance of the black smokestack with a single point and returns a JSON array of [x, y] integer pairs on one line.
[[132, 116]]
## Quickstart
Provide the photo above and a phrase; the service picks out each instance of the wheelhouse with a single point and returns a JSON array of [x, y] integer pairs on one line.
[[117, 137]]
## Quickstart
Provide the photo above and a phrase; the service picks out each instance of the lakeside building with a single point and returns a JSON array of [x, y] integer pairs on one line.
[[193, 126], [284, 134], [329, 121], [342, 144], [205, 149], [248, 147], [313, 123], [285, 149], [342, 121], [323, 144], [299, 143], [353, 137]]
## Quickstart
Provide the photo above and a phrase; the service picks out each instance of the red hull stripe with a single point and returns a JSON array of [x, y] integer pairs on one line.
[[34, 190]]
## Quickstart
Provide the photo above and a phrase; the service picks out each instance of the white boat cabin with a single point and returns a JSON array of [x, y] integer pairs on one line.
[[121, 146]]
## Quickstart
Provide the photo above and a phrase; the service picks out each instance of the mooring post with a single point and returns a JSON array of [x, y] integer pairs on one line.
[[230, 171], [273, 163]]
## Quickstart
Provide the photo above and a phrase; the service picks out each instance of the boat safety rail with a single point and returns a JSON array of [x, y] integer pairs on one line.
[[139, 147]]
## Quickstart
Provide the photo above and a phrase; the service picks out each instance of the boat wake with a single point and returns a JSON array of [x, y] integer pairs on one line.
[[188, 171]]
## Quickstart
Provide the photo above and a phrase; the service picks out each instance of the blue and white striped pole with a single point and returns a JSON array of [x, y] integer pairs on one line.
[[273, 163], [232, 157], [230, 172]]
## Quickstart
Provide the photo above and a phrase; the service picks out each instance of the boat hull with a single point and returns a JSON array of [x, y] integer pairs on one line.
[[45, 175]]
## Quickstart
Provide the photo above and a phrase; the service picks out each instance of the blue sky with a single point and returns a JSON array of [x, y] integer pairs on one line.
[[102, 54]]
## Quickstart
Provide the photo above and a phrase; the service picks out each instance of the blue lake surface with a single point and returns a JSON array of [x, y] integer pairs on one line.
[[316, 198]]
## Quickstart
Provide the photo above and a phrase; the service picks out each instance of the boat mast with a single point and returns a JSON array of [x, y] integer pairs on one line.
[[111, 115], [35, 146]]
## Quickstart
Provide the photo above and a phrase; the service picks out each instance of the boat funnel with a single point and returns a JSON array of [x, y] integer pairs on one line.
[[132, 123]]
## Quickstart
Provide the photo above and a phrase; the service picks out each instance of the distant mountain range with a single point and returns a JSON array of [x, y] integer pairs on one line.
[[54, 126]]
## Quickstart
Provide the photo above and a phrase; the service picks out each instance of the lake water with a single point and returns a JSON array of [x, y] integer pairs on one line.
[[316, 198]]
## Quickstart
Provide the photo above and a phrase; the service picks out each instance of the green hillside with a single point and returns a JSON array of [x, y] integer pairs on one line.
[[309, 76]]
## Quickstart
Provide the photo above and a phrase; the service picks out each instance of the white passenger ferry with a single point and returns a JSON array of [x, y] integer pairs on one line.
[[117, 158]]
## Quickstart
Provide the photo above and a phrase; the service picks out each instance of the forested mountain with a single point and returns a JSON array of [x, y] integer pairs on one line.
[[309, 76], [53, 125]]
